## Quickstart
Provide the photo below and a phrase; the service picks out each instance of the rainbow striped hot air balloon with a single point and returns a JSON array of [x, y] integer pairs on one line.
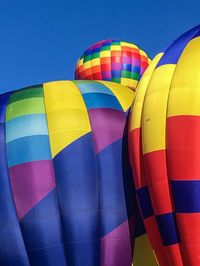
[[113, 60], [165, 149], [67, 195]]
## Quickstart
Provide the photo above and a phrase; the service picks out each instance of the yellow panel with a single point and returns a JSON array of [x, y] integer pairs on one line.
[[123, 94], [184, 97], [95, 62], [87, 65], [143, 53], [81, 62], [129, 82], [154, 109], [67, 115], [115, 47], [143, 254], [128, 45], [140, 94], [105, 54]]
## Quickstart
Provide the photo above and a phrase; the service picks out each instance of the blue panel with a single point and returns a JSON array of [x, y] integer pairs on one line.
[[173, 52], [107, 43], [116, 73], [47, 226], [47, 206], [139, 225], [26, 125], [53, 256], [27, 149], [168, 228], [126, 67], [77, 189], [186, 196], [135, 69], [78, 253], [12, 249], [83, 226], [93, 87], [145, 202], [100, 100], [115, 195], [36, 224]]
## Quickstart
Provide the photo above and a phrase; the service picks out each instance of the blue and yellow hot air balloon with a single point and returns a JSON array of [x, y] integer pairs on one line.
[[67, 193], [165, 148]]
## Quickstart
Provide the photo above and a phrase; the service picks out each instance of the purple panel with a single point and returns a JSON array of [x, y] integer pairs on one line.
[[116, 248], [107, 126], [136, 62], [30, 183], [116, 66], [106, 74], [127, 60]]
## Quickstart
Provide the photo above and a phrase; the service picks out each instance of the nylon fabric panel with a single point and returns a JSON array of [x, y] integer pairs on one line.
[[184, 95], [183, 114], [77, 188], [135, 152], [66, 114], [124, 96], [32, 179], [12, 248]]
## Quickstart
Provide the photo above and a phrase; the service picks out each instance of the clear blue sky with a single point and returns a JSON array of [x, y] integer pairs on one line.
[[41, 40]]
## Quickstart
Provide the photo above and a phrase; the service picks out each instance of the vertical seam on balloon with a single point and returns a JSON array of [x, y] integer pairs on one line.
[[9, 179], [196, 32], [61, 224], [141, 158], [97, 172]]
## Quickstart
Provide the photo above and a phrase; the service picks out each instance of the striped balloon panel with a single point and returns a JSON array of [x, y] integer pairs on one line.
[[113, 60], [32, 177], [86, 134], [164, 135], [12, 246]]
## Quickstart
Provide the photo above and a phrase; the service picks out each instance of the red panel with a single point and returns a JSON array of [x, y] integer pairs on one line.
[[97, 76], [189, 229], [183, 147], [116, 59], [135, 150], [157, 180], [126, 53], [105, 60], [96, 69], [105, 67], [116, 53]]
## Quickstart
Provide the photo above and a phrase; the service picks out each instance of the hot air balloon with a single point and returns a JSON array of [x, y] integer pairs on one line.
[[164, 149], [113, 60], [67, 192]]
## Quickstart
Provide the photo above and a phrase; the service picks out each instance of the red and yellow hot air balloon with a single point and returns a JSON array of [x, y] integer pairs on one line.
[[164, 144]]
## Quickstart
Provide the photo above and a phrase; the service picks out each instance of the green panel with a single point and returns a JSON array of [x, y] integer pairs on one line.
[[85, 81], [87, 58], [25, 107], [126, 74], [116, 43], [117, 80], [95, 55], [135, 76], [106, 48], [29, 92]]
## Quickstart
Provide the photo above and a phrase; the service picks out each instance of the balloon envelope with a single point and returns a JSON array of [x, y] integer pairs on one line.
[[165, 150], [67, 193], [113, 60]]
